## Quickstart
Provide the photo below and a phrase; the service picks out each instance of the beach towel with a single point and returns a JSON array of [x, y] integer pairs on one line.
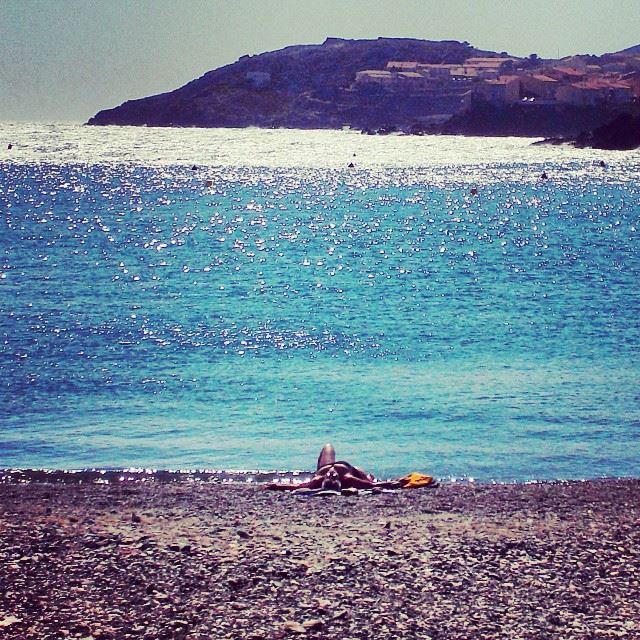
[[416, 480]]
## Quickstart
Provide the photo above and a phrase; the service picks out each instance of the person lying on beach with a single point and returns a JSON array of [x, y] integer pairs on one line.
[[335, 476]]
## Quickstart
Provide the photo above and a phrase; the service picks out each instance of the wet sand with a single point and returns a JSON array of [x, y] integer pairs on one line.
[[196, 560]]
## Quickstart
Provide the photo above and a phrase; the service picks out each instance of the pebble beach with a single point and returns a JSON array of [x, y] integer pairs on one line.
[[196, 560]]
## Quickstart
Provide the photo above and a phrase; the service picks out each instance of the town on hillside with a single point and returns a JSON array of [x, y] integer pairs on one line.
[[504, 80]]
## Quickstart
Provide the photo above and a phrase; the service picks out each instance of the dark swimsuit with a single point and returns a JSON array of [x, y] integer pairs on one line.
[[322, 471], [326, 467]]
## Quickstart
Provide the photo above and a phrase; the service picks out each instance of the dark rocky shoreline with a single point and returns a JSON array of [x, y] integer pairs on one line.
[[620, 134], [197, 560]]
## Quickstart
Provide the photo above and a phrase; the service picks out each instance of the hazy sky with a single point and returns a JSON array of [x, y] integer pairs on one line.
[[67, 59]]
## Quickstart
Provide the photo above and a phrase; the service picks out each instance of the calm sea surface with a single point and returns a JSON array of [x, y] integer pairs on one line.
[[234, 299]]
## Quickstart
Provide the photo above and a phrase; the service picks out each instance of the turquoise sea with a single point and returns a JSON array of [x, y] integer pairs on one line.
[[233, 299]]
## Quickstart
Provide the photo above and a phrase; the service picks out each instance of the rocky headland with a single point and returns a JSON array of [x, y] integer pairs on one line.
[[195, 560], [399, 85]]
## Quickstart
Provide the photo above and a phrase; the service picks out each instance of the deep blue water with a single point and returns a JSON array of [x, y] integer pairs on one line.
[[150, 318]]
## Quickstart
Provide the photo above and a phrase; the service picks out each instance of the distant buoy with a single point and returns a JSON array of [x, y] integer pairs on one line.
[[603, 164], [194, 168], [474, 191], [544, 175], [209, 183], [351, 165], [9, 146]]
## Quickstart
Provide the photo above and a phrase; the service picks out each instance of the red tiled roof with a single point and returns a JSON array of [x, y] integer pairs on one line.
[[569, 71], [599, 83]]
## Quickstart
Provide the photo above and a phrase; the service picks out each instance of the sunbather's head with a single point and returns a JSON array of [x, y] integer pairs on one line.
[[332, 480]]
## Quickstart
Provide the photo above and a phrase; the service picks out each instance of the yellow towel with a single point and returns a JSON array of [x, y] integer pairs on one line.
[[415, 480]]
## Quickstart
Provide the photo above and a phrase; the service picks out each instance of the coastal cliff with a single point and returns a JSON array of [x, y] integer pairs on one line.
[[396, 84]]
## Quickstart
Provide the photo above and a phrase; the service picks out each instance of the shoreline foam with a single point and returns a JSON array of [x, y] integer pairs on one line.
[[244, 476]]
